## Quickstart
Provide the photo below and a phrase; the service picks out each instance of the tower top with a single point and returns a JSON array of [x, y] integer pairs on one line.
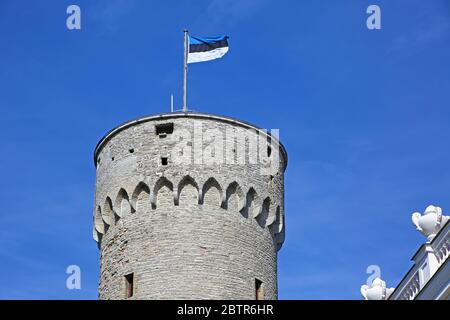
[[189, 114]]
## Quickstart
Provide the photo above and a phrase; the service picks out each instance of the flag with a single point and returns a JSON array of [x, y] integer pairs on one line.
[[206, 48]]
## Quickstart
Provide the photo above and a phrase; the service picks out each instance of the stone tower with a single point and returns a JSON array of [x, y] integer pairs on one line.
[[189, 206]]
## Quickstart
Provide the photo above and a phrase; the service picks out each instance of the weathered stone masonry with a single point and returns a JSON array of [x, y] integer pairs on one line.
[[193, 231]]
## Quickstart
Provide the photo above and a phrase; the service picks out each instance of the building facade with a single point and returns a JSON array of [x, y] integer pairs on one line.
[[189, 206], [429, 277]]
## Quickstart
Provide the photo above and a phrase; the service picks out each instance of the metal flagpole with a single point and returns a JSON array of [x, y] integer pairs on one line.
[[186, 51]]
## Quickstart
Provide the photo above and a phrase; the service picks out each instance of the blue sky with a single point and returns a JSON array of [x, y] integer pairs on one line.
[[363, 114]]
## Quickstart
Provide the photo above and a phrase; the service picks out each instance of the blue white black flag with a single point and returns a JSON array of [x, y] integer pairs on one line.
[[206, 48]]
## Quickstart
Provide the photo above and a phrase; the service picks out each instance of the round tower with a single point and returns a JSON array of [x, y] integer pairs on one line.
[[189, 206]]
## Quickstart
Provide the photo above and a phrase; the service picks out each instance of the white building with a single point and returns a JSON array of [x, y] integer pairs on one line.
[[429, 277]]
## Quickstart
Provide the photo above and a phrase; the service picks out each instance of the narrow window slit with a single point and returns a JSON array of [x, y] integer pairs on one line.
[[129, 285], [259, 292]]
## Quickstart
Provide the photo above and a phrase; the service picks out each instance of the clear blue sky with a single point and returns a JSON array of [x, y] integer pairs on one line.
[[364, 115]]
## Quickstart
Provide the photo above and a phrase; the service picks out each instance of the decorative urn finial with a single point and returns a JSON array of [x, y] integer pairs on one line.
[[377, 291], [430, 222]]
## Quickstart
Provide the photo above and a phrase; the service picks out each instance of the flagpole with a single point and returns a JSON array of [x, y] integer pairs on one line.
[[186, 49]]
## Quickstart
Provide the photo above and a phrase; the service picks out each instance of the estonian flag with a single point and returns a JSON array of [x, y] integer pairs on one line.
[[206, 48]]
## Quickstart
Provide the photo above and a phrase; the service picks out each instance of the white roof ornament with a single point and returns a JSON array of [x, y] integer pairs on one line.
[[377, 291], [431, 222]]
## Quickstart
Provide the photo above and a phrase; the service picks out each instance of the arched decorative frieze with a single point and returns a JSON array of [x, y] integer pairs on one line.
[[98, 221], [252, 205], [96, 235], [187, 191], [162, 194], [261, 218], [212, 193], [122, 204], [108, 212], [276, 228], [234, 197], [272, 213], [140, 197], [279, 240]]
